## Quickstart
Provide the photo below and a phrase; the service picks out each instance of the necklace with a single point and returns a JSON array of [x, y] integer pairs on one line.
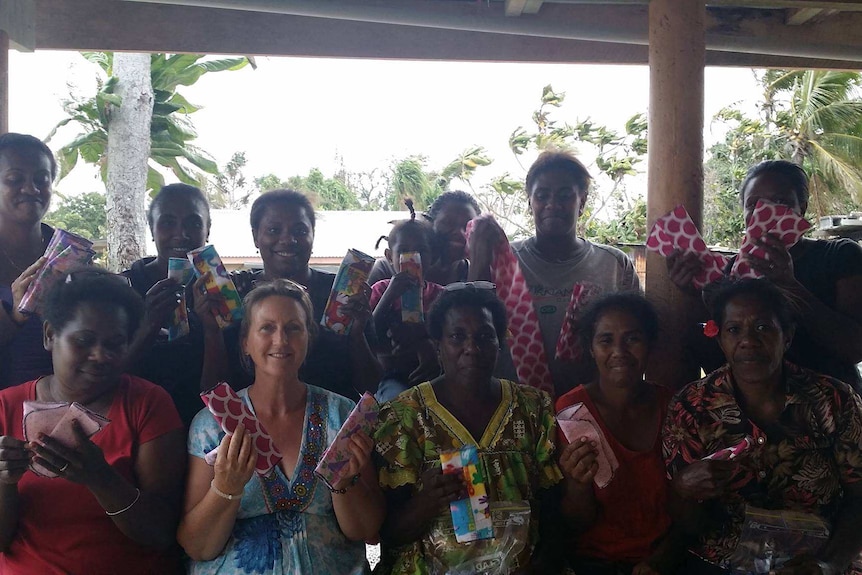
[[18, 268]]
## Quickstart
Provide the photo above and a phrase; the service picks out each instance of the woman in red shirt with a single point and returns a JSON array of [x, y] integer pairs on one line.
[[100, 505], [617, 527]]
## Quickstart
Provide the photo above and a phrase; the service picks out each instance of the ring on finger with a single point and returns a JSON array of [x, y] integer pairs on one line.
[[63, 469]]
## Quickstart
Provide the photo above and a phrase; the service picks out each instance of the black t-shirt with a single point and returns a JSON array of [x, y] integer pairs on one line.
[[819, 268], [174, 365], [327, 364]]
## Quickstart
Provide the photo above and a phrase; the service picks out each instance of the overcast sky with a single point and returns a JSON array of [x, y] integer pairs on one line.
[[292, 114]]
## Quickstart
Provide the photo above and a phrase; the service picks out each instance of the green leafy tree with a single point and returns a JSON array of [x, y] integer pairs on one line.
[[171, 132], [615, 156], [817, 117], [83, 215], [230, 189], [326, 193], [409, 179], [812, 118]]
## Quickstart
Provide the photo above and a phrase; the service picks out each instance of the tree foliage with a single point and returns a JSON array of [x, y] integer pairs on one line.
[[611, 213], [83, 215], [171, 132], [812, 118], [230, 189]]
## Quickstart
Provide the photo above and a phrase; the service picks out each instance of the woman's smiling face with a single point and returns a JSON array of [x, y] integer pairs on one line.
[[284, 237], [620, 347], [25, 185], [277, 339]]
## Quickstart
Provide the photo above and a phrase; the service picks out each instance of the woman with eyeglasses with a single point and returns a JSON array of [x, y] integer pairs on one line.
[[511, 426], [27, 170], [556, 258], [286, 521], [72, 502], [282, 224]]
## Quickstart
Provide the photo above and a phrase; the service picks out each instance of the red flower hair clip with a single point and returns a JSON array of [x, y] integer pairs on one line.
[[710, 329]]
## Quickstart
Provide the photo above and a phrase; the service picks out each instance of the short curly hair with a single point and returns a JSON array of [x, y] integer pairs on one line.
[[26, 142], [449, 198], [553, 160], [185, 191], [716, 297], [793, 174], [472, 298], [96, 286], [283, 197], [631, 302]]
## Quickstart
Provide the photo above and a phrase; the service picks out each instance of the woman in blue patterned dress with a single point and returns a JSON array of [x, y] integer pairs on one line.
[[287, 521]]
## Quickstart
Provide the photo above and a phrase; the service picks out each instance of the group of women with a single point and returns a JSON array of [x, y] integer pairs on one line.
[[132, 498]]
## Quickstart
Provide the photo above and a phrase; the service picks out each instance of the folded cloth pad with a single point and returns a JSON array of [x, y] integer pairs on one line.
[[55, 420], [575, 422]]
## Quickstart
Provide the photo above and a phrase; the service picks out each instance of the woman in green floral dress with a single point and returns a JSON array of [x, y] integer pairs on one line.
[[515, 428]]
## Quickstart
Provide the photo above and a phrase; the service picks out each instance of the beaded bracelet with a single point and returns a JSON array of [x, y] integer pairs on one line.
[[129, 506], [222, 494], [353, 481]]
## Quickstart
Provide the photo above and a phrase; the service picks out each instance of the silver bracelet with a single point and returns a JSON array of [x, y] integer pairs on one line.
[[129, 506], [222, 494]]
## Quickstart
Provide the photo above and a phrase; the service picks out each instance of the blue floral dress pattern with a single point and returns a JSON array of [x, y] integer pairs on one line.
[[285, 525]]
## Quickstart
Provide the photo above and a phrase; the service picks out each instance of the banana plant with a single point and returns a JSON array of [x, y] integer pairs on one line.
[[171, 131]]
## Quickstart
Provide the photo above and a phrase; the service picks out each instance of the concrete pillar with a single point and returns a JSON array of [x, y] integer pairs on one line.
[[4, 82], [677, 51]]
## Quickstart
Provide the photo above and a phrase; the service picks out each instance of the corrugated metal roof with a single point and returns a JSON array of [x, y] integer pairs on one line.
[[334, 234]]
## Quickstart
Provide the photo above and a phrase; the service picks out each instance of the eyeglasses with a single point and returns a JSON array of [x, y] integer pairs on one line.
[[475, 286], [96, 273]]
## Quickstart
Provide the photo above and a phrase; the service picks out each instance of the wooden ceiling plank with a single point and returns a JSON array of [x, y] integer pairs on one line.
[[18, 20], [533, 6], [799, 16], [515, 7]]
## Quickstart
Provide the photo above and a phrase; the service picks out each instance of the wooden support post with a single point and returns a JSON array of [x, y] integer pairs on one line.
[[677, 51], [4, 82]]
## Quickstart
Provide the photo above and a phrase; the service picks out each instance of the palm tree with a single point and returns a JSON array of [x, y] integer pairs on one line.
[[818, 116]]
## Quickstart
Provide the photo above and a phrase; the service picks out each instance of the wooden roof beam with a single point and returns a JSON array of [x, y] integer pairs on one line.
[[118, 26], [798, 16], [518, 7], [18, 20]]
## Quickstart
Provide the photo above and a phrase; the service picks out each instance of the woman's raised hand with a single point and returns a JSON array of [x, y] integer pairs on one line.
[[14, 459], [487, 235], [682, 269], [579, 461], [235, 462], [205, 303], [439, 489], [358, 307], [360, 448], [85, 463], [19, 288], [161, 300]]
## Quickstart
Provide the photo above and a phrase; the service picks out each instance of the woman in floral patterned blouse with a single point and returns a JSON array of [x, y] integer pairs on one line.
[[512, 426], [805, 429]]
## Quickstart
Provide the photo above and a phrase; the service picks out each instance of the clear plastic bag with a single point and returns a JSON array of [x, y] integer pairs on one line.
[[771, 538], [501, 555]]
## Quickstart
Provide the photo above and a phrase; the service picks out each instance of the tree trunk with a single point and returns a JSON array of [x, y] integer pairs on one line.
[[128, 153]]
